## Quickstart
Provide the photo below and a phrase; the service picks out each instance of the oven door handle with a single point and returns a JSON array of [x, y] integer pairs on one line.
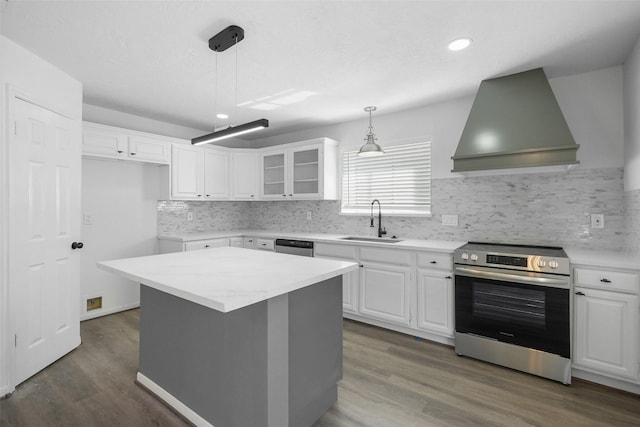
[[541, 281]]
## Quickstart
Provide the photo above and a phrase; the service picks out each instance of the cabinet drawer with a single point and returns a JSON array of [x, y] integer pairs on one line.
[[335, 251], [266, 244], [387, 256], [606, 279], [205, 244], [435, 260]]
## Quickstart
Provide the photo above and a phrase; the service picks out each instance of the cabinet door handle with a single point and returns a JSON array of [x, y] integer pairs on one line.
[[605, 280], [120, 151], [207, 246], [133, 154], [284, 195], [208, 195], [361, 265], [448, 277], [434, 262], [580, 293], [199, 195]]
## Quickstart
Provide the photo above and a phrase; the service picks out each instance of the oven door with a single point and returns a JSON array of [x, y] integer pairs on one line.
[[521, 308]]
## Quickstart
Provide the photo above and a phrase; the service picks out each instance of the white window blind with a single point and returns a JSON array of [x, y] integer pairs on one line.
[[400, 179]]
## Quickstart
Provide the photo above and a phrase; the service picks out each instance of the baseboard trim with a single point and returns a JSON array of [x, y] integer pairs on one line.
[[105, 312], [172, 402]]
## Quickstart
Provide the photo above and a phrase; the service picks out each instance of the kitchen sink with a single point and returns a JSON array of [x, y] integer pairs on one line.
[[371, 239]]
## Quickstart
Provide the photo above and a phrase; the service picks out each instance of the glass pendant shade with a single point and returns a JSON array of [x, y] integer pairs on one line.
[[370, 148]]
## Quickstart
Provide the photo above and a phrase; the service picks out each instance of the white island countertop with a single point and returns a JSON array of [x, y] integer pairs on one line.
[[227, 278]]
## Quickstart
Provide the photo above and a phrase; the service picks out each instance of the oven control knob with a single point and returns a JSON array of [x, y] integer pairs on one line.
[[464, 255], [553, 264], [474, 257], [542, 263]]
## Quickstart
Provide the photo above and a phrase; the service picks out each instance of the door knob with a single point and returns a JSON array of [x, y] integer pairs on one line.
[[77, 245]]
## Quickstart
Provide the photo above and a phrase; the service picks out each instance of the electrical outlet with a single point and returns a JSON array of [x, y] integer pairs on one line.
[[189, 216], [597, 220], [450, 220], [309, 215]]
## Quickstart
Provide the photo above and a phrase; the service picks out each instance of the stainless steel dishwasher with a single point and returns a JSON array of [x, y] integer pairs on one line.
[[294, 247]]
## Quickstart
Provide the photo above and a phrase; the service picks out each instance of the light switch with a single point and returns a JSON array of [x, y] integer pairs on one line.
[[87, 219]]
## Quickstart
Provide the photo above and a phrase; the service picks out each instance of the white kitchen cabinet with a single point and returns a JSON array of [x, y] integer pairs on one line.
[[265, 244], [237, 242], [205, 244], [301, 171], [116, 143], [244, 175], [249, 242], [199, 173], [386, 285], [435, 293], [606, 307], [351, 280]]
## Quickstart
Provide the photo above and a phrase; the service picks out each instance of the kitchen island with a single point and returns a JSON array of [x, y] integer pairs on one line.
[[238, 337]]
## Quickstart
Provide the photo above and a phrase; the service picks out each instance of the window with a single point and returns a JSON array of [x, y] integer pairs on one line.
[[401, 180]]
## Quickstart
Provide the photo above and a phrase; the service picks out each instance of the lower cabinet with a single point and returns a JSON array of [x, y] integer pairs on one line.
[[404, 290], [607, 332], [205, 244], [606, 327], [435, 302], [351, 280], [385, 291], [237, 242]]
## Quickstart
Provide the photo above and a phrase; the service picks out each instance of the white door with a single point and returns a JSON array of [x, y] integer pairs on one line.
[[44, 221]]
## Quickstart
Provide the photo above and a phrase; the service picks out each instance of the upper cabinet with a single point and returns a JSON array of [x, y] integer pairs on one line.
[[117, 143], [244, 175], [301, 171], [199, 173]]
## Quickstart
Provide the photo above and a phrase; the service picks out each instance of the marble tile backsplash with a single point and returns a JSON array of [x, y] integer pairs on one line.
[[544, 209], [207, 216], [632, 223]]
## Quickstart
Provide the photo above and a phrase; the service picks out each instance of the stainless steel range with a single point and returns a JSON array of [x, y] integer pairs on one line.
[[513, 307]]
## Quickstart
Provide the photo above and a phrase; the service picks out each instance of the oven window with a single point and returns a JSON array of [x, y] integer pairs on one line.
[[509, 304]]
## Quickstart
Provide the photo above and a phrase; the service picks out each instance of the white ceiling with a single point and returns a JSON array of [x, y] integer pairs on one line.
[[151, 58]]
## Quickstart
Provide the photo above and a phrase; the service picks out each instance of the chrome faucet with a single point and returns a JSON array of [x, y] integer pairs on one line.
[[381, 230]]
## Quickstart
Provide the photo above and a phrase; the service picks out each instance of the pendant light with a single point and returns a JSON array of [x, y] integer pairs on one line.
[[370, 148], [226, 38]]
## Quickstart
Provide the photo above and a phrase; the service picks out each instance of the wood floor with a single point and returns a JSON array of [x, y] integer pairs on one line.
[[390, 379]]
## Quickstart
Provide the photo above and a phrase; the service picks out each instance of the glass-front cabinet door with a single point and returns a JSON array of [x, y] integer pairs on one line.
[[274, 175], [306, 165]]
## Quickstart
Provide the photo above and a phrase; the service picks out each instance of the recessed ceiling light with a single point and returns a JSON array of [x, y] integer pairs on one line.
[[459, 44], [222, 116]]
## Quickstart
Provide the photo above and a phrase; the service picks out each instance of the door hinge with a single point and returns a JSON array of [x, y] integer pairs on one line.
[[15, 340]]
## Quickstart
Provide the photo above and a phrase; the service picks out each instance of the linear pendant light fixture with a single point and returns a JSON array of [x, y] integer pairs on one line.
[[226, 38], [370, 148]]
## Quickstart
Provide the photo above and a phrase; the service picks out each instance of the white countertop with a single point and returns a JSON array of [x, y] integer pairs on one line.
[[227, 278], [607, 259], [410, 244]]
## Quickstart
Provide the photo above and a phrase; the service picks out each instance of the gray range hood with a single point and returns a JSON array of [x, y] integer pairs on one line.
[[515, 122]]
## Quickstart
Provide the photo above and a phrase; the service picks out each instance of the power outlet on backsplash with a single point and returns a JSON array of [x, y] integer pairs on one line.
[[597, 220]]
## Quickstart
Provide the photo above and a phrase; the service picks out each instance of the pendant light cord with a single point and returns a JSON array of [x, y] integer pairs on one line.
[[215, 97], [236, 94]]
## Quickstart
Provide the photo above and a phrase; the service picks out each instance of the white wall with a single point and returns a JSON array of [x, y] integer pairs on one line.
[[29, 75], [632, 120], [120, 198], [106, 116], [591, 102]]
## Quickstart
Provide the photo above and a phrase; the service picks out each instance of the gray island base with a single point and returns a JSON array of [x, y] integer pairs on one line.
[[273, 363]]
